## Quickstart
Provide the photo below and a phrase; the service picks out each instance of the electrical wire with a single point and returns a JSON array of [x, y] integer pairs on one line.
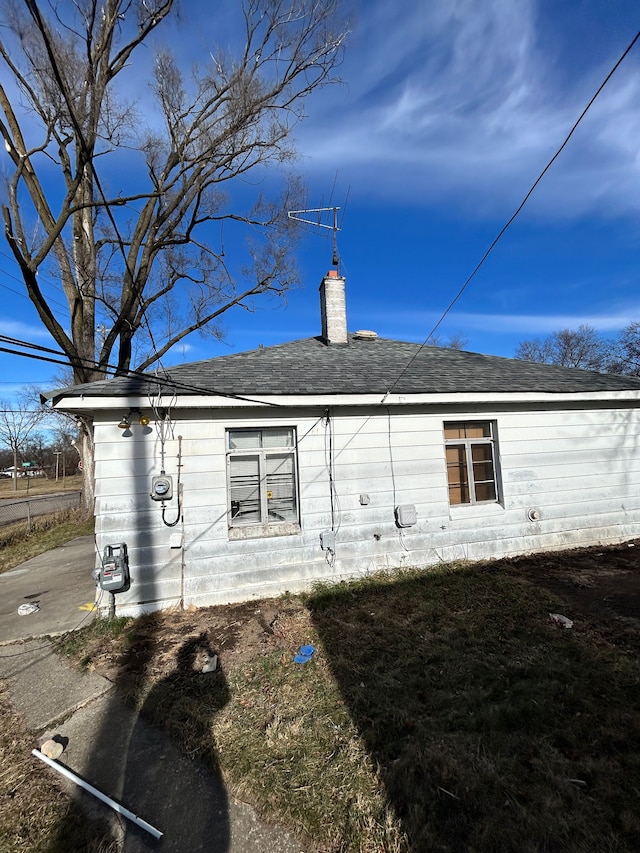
[[34, 357], [21, 281], [35, 14], [393, 477], [178, 488], [138, 374], [503, 230], [29, 345], [43, 278], [393, 473], [329, 456], [334, 498]]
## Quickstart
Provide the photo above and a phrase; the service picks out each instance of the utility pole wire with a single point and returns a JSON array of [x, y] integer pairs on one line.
[[163, 381], [517, 212]]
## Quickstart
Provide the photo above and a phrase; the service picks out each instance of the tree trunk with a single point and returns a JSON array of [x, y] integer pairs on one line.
[[15, 468], [88, 482]]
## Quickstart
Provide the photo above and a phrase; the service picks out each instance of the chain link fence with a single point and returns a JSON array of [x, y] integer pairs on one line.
[[26, 509]]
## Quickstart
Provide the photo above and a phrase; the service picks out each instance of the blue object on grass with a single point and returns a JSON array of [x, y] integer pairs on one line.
[[305, 653]]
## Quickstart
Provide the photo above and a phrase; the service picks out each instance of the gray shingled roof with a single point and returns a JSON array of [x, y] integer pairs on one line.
[[362, 367]]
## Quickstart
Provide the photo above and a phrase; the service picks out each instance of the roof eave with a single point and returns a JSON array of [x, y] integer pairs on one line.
[[86, 404]]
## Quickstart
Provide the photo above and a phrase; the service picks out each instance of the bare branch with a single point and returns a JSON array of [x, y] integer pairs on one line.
[[127, 270]]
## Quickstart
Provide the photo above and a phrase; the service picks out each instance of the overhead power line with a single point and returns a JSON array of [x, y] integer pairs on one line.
[[502, 231], [130, 374], [42, 278]]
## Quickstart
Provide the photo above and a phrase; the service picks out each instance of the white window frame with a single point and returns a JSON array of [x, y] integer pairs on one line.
[[467, 444], [266, 524]]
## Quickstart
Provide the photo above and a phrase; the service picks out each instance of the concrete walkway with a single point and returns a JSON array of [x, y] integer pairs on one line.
[[108, 743], [59, 582]]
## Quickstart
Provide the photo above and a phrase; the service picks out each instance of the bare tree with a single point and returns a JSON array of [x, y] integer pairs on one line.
[[582, 347], [18, 420], [625, 355], [536, 349], [139, 245], [456, 340]]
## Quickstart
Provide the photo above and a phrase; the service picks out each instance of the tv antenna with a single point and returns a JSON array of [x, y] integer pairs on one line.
[[296, 215]]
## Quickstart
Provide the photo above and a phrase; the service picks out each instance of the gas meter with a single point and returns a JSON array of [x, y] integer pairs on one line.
[[161, 488], [114, 571]]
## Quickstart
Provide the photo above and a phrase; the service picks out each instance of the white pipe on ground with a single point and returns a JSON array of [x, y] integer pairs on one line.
[[96, 793]]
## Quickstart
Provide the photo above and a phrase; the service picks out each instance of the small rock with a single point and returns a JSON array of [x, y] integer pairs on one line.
[[211, 665], [52, 749], [560, 620]]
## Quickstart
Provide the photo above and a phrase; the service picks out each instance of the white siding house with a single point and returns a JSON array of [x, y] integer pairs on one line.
[[344, 454]]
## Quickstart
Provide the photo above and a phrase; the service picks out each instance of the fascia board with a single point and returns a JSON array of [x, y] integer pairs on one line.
[[97, 404]]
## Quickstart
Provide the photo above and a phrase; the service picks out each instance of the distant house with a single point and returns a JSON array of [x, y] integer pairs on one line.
[[27, 469], [344, 454]]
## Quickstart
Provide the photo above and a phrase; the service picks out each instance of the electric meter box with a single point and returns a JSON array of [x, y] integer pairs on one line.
[[161, 488], [114, 571]]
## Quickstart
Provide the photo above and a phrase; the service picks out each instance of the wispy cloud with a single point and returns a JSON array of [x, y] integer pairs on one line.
[[465, 100], [532, 325], [540, 324], [23, 331]]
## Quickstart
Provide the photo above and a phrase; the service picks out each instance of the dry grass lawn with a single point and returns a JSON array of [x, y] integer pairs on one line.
[[35, 816], [32, 486], [19, 544], [442, 711]]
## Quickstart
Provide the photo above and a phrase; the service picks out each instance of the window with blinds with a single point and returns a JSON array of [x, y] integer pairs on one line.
[[471, 462], [262, 476]]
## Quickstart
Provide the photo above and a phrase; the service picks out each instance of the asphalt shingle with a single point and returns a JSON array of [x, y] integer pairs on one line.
[[374, 366]]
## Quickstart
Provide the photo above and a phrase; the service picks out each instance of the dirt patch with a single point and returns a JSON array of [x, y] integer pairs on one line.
[[599, 586], [166, 642]]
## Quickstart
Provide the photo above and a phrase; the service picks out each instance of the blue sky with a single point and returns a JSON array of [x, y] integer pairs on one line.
[[448, 112]]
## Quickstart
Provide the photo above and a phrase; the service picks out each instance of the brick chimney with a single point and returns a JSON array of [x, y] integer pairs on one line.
[[333, 309]]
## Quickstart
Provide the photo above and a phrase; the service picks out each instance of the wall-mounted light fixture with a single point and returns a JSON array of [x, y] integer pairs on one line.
[[135, 417]]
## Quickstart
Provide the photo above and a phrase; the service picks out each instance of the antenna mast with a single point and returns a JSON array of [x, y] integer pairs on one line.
[[295, 215]]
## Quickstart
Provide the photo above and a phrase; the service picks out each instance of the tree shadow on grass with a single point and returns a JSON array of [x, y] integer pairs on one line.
[[491, 729]]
